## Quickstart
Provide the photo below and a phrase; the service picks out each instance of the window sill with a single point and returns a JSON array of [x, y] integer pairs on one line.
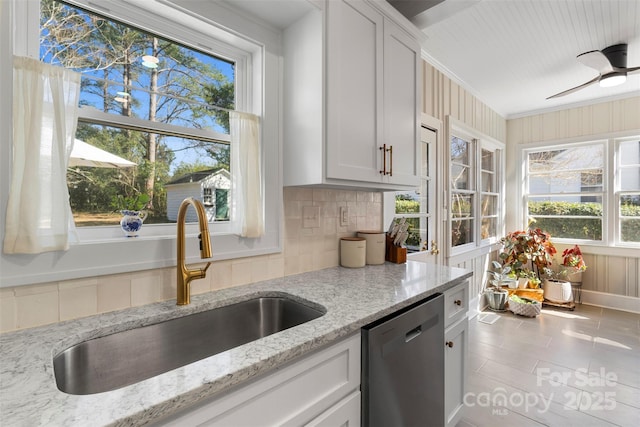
[[470, 251], [595, 249], [110, 234], [123, 255]]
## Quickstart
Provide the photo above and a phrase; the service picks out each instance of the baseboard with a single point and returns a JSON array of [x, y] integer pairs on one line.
[[616, 302], [600, 299], [474, 307]]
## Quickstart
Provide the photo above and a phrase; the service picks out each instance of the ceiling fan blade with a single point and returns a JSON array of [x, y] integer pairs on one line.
[[630, 70], [596, 60], [574, 89]]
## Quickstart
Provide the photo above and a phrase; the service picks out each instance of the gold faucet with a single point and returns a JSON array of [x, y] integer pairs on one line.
[[185, 275]]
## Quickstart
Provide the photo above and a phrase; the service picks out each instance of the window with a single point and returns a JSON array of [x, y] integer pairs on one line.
[[207, 196], [579, 192], [490, 195], [463, 191], [566, 190], [150, 100], [215, 31], [475, 180], [628, 190], [408, 205], [417, 206]]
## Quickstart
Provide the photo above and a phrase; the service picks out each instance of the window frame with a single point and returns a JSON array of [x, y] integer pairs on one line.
[[471, 192], [479, 142], [261, 78], [619, 192], [602, 193], [610, 243], [426, 199], [93, 116], [496, 176], [98, 233]]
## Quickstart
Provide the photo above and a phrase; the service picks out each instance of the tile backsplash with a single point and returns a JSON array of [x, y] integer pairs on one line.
[[305, 249]]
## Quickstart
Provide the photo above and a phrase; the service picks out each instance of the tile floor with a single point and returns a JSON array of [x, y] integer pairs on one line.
[[562, 368]]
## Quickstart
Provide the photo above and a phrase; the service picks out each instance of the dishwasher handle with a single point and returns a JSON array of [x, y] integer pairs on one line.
[[396, 342], [414, 333]]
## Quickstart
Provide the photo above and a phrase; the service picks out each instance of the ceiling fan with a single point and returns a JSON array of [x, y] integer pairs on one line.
[[611, 64]]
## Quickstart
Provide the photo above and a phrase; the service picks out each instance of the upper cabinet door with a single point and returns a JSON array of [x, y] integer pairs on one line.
[[351, 99], [354, 64], [401, 104]]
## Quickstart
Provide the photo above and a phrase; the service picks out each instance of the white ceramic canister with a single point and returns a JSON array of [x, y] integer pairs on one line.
[[375, 246], [353, 252]]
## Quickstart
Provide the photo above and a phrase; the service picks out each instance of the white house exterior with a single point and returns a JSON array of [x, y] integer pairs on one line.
[[567, 174], [207, 186]]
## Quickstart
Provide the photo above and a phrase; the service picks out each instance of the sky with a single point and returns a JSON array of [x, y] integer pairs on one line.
[[142, 74]]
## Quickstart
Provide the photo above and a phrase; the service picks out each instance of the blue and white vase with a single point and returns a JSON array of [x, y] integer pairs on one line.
[[131, 222]]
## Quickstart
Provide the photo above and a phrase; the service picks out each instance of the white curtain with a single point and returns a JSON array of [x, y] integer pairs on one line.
[[45, 102], [247, 186]]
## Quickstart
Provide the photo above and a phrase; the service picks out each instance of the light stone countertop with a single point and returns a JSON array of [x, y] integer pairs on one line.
[[351, 297]]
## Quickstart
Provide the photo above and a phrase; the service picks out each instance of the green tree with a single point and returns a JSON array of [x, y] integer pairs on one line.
[[221, 95], [176, 92]]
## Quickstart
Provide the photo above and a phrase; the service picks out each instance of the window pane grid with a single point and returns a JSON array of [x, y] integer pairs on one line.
[[628, 199], [475, 191], [414, 205], [488, 185], [565, 190], [154, 101], [464, 192], [565, 217]]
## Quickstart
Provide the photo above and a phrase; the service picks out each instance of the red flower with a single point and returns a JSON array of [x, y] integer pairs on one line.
[[572, 257]]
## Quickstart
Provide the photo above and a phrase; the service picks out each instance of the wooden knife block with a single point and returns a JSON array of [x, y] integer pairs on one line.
[[393, 253]]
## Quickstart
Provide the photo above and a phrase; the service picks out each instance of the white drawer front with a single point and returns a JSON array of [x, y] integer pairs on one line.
[[345, 414], [291, 396], [456, 303]]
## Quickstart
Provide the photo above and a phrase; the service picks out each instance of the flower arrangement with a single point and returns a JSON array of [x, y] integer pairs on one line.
[[572, 258], [527, 251]]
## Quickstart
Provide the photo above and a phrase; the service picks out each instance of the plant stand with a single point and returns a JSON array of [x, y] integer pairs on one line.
[[566, 305], [576, 288]]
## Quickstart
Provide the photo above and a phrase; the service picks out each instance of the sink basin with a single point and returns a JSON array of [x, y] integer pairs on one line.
[[114, 361]]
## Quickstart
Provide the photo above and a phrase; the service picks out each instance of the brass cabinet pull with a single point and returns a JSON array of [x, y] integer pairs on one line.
[[384, 159], [449, 344], [457, 302], [386, 150], [434, 248]]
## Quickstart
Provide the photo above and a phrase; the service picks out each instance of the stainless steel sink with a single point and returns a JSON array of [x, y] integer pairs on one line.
[[124, 358]]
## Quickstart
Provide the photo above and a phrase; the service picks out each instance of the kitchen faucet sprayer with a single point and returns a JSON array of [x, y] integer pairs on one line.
[[186, 275]]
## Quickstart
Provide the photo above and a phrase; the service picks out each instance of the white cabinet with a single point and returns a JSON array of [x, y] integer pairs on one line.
[[346, 413], [351, 102], [456, 349], [455, 370], [354, 91], [456, 303], [401, 104], [319, 390]]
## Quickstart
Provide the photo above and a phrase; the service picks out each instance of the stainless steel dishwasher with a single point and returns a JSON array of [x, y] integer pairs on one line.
[[403, 367]]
